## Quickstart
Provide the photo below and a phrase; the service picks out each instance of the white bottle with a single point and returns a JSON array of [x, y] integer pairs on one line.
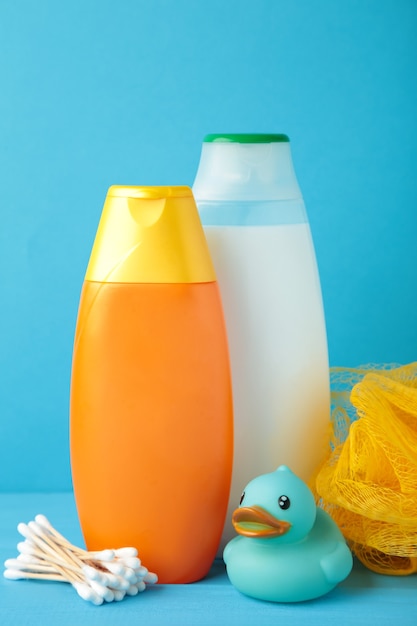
[[260, 242]]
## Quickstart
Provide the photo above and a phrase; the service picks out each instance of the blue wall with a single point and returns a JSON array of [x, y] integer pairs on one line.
[[98, 92]]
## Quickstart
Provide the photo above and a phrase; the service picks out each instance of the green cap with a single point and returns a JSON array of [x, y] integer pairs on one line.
[[246, 138]]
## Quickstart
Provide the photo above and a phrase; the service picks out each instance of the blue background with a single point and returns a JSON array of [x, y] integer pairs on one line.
[[94, 93]]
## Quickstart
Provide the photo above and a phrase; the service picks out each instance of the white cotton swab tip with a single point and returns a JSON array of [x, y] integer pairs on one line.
[[36, 528], [129, 574], [115, 582], [102, 555], [27, 558], [94, 574], [150, 578], [119, 594], [141, 572], [121, 583], [103, 591], [25, 547], [131, 562], [116, 567], [132, 590], [86, 593], [123, 553], [13, 564], [13, 574], [43, 521], [24, 530]]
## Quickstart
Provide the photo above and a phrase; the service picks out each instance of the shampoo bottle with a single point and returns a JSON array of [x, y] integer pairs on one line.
[[151, 431], [260, 242]]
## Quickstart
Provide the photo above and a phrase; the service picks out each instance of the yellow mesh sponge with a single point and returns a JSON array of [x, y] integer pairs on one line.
[[368, 482]]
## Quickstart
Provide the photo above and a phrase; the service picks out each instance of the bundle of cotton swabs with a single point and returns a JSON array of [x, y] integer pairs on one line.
[[96, 576]]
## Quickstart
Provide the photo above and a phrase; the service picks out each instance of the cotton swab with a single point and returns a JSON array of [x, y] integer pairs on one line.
[[100, 576]]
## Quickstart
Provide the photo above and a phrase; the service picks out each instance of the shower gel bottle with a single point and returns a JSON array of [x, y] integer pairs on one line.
[[260, 242], [151, 428]]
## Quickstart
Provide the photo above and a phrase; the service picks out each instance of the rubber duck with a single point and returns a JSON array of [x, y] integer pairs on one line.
[[287, 548]]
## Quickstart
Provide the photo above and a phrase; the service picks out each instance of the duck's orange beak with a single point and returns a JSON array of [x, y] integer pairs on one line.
[[254, 521]]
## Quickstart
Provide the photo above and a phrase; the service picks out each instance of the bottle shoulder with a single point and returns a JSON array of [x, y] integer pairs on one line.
[[252, 213]]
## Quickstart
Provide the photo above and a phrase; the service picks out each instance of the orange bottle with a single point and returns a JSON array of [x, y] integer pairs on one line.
[[151, 409]]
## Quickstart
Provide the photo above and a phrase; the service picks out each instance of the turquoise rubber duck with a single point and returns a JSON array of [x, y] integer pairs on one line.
[[289, 550]]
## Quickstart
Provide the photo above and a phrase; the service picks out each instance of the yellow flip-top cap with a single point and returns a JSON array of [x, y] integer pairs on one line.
[[150, 235]]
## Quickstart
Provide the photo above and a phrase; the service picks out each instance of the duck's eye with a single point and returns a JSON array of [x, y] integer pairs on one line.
[[242, 497], [284, 502]]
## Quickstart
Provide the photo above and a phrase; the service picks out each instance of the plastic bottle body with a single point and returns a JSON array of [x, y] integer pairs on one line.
[[151, 422], [265, 262]]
